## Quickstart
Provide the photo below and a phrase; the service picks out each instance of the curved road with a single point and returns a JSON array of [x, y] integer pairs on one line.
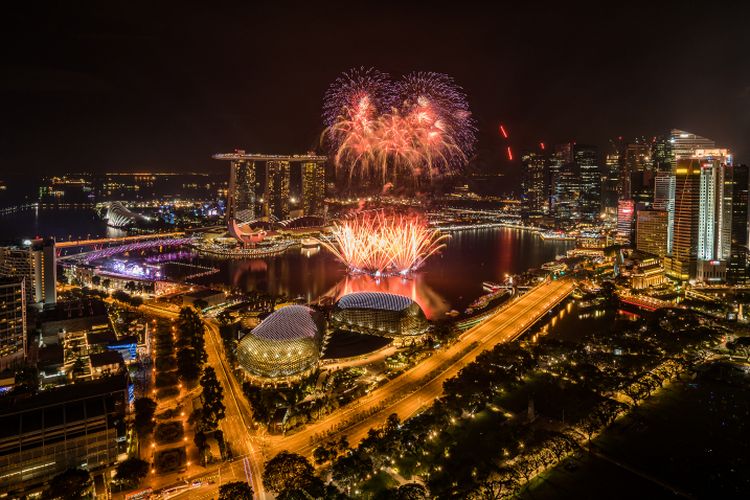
[[420, 385]]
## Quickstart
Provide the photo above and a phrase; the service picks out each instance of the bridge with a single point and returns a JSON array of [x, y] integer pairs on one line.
[[117, 240], [102, 253]]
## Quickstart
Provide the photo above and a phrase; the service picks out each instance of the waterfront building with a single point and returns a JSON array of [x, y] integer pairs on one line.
[[79, 425], [646, 273], [625, 218], [287, 344], [12, 321], [275, 171], [534, 186], [276, 194], [241, 194], [737, 270], [664, 193], [589, 199], [652, 227], [313, 188], [36, 261], [378, 313]]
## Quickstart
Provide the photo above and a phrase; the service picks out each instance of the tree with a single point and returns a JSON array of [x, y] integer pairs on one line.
[[321, 455], [350, 470], [144, 416], [96, 281], [287, 471], [131, 472], [200, 304], [106, 282], [237, 490], [411, 491], [213, 394], [188, 364], [73, 484]]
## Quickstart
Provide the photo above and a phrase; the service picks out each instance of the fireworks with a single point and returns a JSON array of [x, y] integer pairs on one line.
[[420, 125], [380, 244]]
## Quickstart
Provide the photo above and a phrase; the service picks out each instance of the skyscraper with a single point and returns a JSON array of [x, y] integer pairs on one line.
[[685, 143], [241, 196], [313, 188], [664, 192], [611, 183], [682, 262], [737, 271], [562, 156], [587, 163], [276, 197], [535, 197], [12, 321], [702, 223], [662, 155], [625, 218], [651, 231], [36, 262]]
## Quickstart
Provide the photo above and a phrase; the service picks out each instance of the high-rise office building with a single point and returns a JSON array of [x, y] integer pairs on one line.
[[12, 321], [702, 223], [682, 262], [685, 143], [651, 231], [241, 195], [586, 159], [664, 192], [313, 188], [737, 270], [276, 197], [625, 219], [562, 156], [534, 185], [36, 262], [611, 183], [662, 155]]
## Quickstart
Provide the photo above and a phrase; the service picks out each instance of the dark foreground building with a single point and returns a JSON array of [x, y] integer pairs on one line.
[[81, 425]]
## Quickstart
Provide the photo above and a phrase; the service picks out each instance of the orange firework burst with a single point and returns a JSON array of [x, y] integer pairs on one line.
[[380, 244]]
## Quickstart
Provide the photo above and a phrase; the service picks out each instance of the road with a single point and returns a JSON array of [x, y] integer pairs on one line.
[[236, 424], [408, 393]]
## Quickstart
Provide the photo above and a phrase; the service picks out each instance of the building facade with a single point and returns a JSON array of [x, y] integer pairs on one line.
[[378, 313], [682, 262], [586, 159], [36, 262], [12, 321], [241, 195], [652, 227], [313, 188], [664, 193], [79, 425], [737, 271], [625, 220]]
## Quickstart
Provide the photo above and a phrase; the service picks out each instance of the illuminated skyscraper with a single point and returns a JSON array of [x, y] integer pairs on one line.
[[589, 199], [611, 184], [662, 155], [534, 188], [664, 192], [737, 271], [702, 223], [276, 197], [685, 143], [36, 262], [625, 218], [241, 195], [651, 231], [12, 321], [313, 188]]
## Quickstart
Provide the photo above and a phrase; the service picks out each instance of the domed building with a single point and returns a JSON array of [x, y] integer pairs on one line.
[[285, 344], [379, 313]]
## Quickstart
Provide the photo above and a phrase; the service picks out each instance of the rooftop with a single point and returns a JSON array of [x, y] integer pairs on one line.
[[241, 155], [374, 300]]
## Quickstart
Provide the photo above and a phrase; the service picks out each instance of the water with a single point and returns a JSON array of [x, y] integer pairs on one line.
[[451, 280], [62, 224]]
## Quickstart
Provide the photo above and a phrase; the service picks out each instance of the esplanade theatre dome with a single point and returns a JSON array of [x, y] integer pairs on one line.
[[379, 313], [287, 343]]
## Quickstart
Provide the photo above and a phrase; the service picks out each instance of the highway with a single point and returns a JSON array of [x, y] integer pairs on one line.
[[121, 239], [408, 393]]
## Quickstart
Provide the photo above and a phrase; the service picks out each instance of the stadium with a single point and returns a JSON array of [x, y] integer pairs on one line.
[[287, 344], [378, 313]]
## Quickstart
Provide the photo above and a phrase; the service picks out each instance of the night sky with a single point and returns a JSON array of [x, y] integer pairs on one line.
[[132, 86]]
